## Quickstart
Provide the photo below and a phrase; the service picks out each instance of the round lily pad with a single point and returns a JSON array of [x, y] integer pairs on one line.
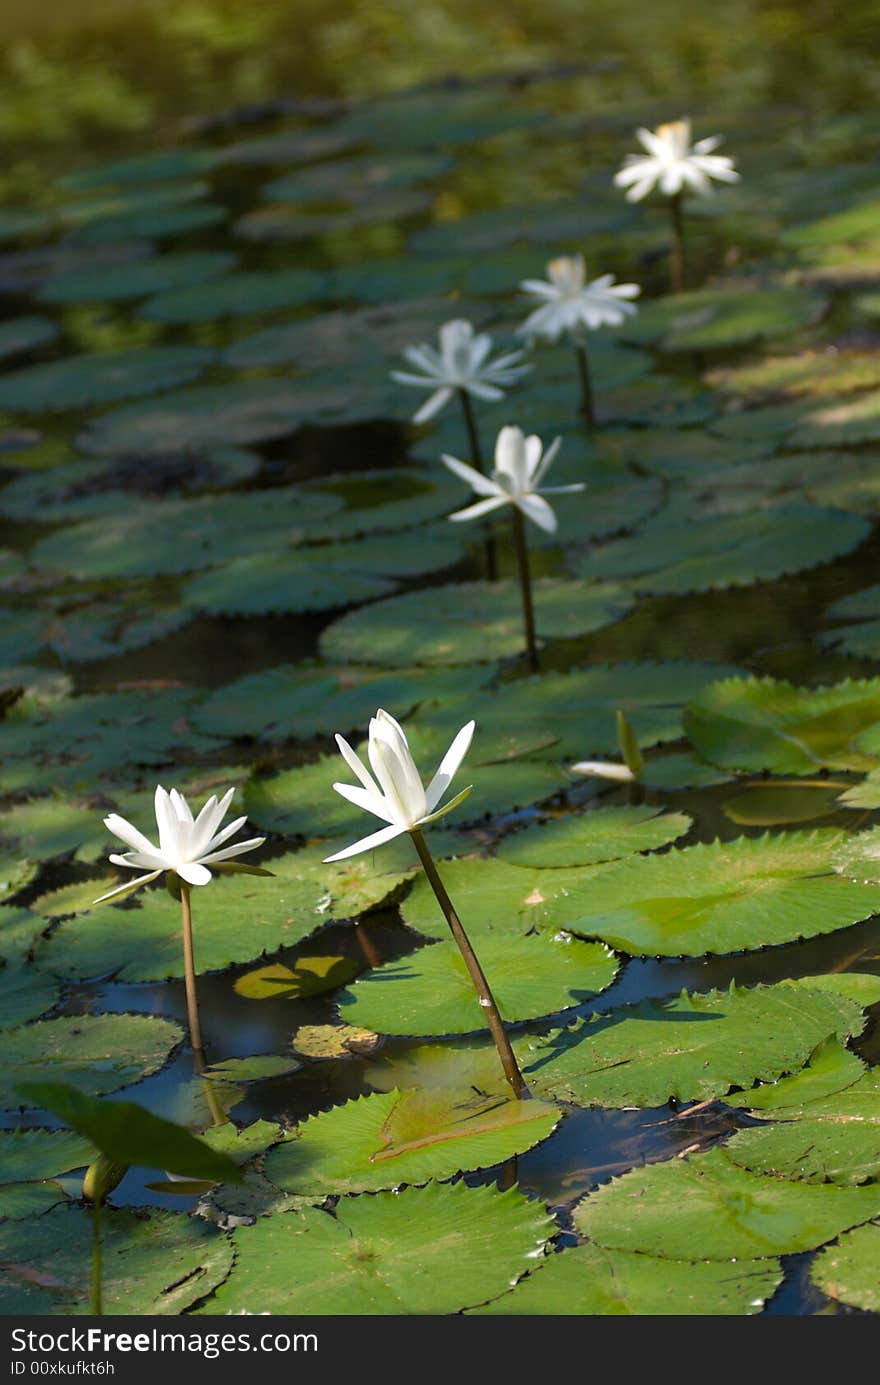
[[673, 554], [709, 319], [43, 828], [154, 223], [28, 1156], [236, 295], [849, 1270], [95, 1053], [19, 334], [110, 284], [603, 834], [767, 724], [351, 179], [590, 1280], [496, 898], [152, 1262], [709, 1203], [389, 1138], [430, 992], [24, 993], [140, 170], [724, 897], [100, 378], [469, 623], [425, 1250]]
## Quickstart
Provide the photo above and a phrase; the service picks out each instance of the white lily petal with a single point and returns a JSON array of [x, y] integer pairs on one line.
[[448, 766], [483, 485], [604, 769], [138, 860], [128, 886], [370, 801], [432, 406], [535, 508], [482, 507], [235, 850], [193, 873], [123, 829], [164, 821], [356, 765], [220, 837], [386, 834]]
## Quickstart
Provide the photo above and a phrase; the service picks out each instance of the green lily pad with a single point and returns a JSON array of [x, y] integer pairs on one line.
[[849, 1271], [386, 501], [47, 827], [308, 976], [94, 1053], [712, 319], [19, 334], [344, 336], [771, 805], [109, 284], [155, 1262], [20, 1200], [424, 1250], [861, 639], [280, 224], [431, 992], [668, 1209], [675, 554], [812, 374], [100, 377], [15, 872], [140, 169], [24, 993], [829, 1070], [351, 179], [693, 1047], [680, 771], [842, 423], [25, 270], [157, 537], [832, 1139], [28, 1156], [471, 622], [296, 702], [496, 898], [152, 223], [766, 724], [235, 295], [239, 412], [603, 834], [864, 795], [18, 222], [238, 919], [396, 278], [590, 1280], [723, 897], [389, 1138]]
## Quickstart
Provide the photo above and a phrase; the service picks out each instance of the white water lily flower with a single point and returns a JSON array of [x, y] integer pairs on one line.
[[673, 164], [462, 363], [520, 465], [187, 846], [399, 797], [569, 303]]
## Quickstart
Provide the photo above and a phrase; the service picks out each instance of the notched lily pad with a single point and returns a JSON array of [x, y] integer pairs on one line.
[[95, 1053]]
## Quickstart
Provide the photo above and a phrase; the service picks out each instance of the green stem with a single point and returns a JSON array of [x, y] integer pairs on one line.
[[677, 267], [525, 583], [475, 971], [96, 1304], [477, 464], [189, 968], [587, 408]]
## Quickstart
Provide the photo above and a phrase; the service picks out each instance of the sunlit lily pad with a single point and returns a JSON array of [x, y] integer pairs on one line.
[[849, 1271], [430, 992], [156, 1263], [766, 724], [590, 1280], [693, 1047], [110, 284], [308, 976], [709, 1203], [468, 623], [502, 899], [672, 554], [236, 295], [103, 377], [723, 897], [241, 918], [709, 319], [389, 1138], [425, 1250], [95, 1053], [811, 373], [603, 834]]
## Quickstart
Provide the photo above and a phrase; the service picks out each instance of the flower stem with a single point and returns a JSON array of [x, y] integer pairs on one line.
[[475, 971], [677, 267], [96, 1301], [192, 1005], [525, 583], [587, 408], [477, 464]]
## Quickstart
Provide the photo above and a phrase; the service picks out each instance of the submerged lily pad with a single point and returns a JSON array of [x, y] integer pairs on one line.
[[767, 724], [100, 377], [849, 1270], [675, 554], [431, 992], [154, 1262], [389, 1138], [471, 622], [591, 1280], [424, 1250], [94, 1053], [693, 1047]]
